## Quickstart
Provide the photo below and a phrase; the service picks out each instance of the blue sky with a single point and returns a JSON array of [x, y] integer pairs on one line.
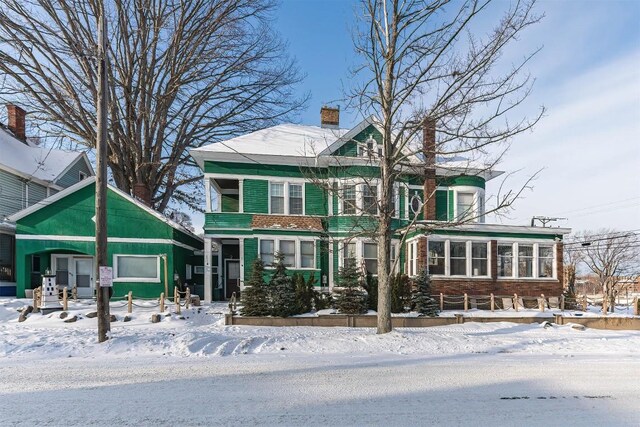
[[588, 77]]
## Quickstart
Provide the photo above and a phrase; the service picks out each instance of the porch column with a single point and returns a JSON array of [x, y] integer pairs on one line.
[[207, 270], [241, 253], [207, 193]]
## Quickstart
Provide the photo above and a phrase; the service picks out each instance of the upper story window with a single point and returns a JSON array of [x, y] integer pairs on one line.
[[359, 198], [286, 198], [370, 148], [469, 204]]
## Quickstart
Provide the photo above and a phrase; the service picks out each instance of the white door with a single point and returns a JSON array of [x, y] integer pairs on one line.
[[84, 277]]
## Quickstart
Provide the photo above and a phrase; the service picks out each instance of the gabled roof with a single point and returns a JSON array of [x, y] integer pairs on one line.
[[84, 183], [31, 161]]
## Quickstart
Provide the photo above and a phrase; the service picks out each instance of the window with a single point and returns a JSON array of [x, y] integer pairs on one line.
[[288, 251], [267, 249], [188, 272], [478, 259], [349, 254], [295, 199], [465, 206], [135, 268], [505, 260], [545, 261], [277, 198], [370, 199], [198, 269], [525, 260], [370, 257], [307, 254], [349, 199], [458, 258], [6, 257], [435, 257], [82, 176]]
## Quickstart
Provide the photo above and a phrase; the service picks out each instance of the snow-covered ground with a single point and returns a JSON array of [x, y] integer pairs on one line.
[[197, 371]]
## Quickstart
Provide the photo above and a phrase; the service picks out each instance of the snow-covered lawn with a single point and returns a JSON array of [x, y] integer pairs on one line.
[[199, 372]]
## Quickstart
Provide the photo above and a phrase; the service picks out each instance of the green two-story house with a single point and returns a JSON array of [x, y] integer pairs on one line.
[[311, 194]]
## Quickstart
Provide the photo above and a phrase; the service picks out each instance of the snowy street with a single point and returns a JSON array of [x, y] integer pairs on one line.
[[199, 372]]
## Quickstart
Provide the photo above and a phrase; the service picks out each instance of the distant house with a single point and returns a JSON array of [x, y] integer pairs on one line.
[[142, 244], [310, 193], [28, 174]]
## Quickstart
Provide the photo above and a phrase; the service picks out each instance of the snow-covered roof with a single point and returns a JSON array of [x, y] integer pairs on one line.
[[283, 140], [32, 161]]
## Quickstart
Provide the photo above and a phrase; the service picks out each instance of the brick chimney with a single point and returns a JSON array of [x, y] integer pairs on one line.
[[16, 121], [142, 193], [429, 151], [330, 117]]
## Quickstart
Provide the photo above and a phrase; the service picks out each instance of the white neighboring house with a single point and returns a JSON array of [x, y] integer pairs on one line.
[[28, 174]]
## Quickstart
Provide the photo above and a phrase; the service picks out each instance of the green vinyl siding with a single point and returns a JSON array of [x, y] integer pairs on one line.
[[349, 149], [256, 169], [315, 200], [442, 212], [216, 220], [72, 175], [255, 196], [467, 180], [230, 203], [402, 202]]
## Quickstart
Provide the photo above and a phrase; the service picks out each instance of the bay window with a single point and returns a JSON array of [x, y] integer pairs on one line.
[[288, 248], [465, 206], [288, 251]]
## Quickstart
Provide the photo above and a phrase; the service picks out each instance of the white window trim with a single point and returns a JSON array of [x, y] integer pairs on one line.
[[198, 269], [478, 200], [468, 258], [82, 175], [136, 279], [286, 196], [360, 249], [515, 273], [359, 183], [298, 254]]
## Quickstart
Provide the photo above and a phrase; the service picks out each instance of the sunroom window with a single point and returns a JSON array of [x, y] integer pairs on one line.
[[505, 260], [545, 261], [458, 258], [436, 257], [478, 259], [525, 260]]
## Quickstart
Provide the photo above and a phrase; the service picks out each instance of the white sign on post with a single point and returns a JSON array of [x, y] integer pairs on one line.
[[106, 277]]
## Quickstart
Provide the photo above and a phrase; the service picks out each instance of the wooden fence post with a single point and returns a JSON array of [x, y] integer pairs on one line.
[[562, 302], [74, 293], [584, 303], [130, 302], [542, 301], [162, 302], [493, 302], [441, 301], [65, 305], [635, 306], [515, 301], [466, 302], [187, 298]]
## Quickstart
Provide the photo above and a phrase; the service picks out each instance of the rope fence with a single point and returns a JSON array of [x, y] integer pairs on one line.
[[516, 302]]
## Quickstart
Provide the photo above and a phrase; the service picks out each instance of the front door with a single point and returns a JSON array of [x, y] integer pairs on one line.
[[84, 277], [232, 278]]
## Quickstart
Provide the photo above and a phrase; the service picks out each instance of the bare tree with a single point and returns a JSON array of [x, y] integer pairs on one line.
[[424, 69], [613, 256], [182, 74]]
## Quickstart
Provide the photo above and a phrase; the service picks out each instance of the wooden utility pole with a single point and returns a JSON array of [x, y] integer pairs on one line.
[[104, 324]]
